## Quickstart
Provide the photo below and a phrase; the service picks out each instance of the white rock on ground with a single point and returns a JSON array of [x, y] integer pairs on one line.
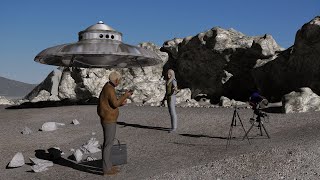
[[26, 130], [226, 102], [302, 101], [51, 126], [17, 160], [78, 155], [92, 146], [40, 165], [75, 122], [89, 158]]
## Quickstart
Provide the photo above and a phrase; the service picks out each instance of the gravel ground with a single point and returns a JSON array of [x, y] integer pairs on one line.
[[196, 151]]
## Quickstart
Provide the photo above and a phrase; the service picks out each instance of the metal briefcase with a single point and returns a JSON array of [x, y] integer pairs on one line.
[[119, 153]]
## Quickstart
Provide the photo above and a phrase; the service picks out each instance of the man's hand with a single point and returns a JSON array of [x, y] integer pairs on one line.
[[124, 103]]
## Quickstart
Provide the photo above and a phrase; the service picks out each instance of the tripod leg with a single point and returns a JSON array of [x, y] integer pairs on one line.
[[230, 133], [243, 128], [265, 130], [246, 135], [234, 122], [260, 128]]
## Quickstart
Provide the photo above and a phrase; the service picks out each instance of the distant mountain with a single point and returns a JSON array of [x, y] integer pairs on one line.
[[14, 89]]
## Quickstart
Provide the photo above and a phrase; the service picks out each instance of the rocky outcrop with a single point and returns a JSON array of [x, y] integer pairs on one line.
[[5, 101], [218, 62], [303, 100], [298, 66]]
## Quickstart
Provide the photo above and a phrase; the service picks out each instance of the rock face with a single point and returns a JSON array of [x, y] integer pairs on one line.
[[218, 62], [214, 63], [302, 101], [298, 66]]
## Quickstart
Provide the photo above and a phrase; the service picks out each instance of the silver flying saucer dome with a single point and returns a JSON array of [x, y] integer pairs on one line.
[[99, 46]]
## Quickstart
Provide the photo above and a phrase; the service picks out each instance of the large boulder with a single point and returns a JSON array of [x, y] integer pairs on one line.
[[298, 66], [303, 100], [218, 62]]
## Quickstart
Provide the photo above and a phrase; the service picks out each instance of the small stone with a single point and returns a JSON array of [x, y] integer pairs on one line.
[[89, 158], [26, 130], [92, 146], [78, 155], [40, 165], [49, 126], [75, 122], [17, 160], [37, 161], [39, 168]]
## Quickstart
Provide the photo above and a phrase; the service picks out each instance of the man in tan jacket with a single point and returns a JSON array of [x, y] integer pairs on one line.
[[108, 111]]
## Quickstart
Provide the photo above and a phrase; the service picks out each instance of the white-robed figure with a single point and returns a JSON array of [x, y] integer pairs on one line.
[[170, 96]]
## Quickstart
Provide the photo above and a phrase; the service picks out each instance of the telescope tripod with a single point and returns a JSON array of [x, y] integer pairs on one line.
[[234, 123], [260, 126]]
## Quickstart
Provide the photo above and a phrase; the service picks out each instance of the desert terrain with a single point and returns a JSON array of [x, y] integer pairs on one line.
[[196, 151]]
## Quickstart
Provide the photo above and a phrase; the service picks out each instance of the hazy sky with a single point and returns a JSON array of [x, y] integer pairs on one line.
[[29, 26]]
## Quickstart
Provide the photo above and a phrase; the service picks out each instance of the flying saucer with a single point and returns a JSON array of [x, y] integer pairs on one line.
[[99, 46]]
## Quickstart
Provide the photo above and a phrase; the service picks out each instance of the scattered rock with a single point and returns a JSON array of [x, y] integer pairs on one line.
[[92, 146], [89, 158], [189, 103], [17, 160], [51, 126], [40, 165], [26, 130], [75, 122], [78, 155], [226, 102]]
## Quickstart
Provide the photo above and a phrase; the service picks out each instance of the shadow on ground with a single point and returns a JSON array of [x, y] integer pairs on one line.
[[277, 110], [201, 135], [93, 167], [64, 102], [143, 126]]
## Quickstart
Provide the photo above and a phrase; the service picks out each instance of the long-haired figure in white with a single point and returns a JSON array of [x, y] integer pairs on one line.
[[170, 96]]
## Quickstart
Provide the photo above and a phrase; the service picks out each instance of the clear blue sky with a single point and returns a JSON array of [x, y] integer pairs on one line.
[[29, 26]]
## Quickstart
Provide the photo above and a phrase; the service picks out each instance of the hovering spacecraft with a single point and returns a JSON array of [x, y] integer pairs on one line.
[[99, 46]]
